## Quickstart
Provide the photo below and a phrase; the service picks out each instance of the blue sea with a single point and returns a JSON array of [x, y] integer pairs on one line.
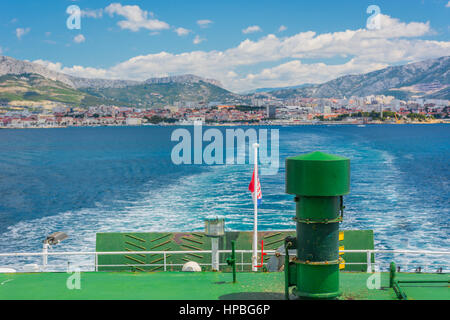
[[122, 179]]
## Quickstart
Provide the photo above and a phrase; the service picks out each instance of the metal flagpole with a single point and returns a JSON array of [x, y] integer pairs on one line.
[[255, 200]]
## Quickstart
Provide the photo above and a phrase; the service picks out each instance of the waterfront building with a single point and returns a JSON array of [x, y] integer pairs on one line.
[[133, 121], [271, 112]]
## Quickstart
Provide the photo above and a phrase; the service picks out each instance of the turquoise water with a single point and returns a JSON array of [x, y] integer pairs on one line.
[[87, 180]]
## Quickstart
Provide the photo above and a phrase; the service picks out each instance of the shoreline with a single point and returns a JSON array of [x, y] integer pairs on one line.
[[323, 123]]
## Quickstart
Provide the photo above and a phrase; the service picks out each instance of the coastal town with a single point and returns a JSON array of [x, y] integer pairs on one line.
[[300, 111]]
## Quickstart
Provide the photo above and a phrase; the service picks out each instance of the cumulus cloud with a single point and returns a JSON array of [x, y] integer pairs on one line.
[[448, 5], [135, 18], [198, 40], [182, 31], [293, 72], [282, 28], [20, 32], [363, 50], [252, 29], [204, 23], [57, 66], [79, 39]]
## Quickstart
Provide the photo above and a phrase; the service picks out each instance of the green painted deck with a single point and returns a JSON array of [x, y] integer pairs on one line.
[[200, 286]]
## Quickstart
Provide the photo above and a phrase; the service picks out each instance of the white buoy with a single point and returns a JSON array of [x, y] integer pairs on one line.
[[192, 266]]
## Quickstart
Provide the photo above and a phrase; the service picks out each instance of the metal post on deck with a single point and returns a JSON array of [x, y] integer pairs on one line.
[[255, 214], [233, 254], [215, 229], [215, 254], [231, 261], [369, 261], [52, 239], [165, 265], [45, 255]]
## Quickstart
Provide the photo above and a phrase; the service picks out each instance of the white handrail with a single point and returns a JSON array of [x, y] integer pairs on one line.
[[369, 253], [75, 253], [399, 251]]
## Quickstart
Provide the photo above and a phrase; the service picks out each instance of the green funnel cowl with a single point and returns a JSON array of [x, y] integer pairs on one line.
[[318, 174]]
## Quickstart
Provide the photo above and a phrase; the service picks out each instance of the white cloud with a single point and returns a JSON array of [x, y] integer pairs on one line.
[[448, 5], [295, 72], [252, 29], [92, 13], [79, 39], [282, 28], [365, 50], [50, 65], [198, 40], [80, 71], [204, 23], [20, 32], [182, 31], [136, 18]]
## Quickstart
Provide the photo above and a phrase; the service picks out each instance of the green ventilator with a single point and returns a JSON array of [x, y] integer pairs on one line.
[[319, 181]]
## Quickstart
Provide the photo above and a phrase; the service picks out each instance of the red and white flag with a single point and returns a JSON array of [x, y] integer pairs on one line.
[[251, 188]]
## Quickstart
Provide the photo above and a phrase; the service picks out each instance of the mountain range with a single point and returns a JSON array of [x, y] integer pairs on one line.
[[266, 90], [429, 79], [27, 83], [23, 82], [10, 65]]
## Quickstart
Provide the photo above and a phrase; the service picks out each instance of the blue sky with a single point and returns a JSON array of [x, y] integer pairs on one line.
[[246, 44]]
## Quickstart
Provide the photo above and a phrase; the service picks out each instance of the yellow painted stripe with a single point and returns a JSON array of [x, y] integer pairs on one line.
[[342, 264], [273, 242], [134, 259], [199, 235], [135, 238], [133, 267], [161, 244], [191, 247], [192, 240], [341, 249], [158, 260], [141, 255], [341, 236], [160, 238], [152, 270], [195, 255], [272, 235], [135, 245]]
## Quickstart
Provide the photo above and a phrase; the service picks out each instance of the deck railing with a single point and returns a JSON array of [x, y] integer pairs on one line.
[[371, 266]]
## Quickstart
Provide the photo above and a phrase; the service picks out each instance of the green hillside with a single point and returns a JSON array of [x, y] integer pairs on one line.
[[162, 94], [33, 87]]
